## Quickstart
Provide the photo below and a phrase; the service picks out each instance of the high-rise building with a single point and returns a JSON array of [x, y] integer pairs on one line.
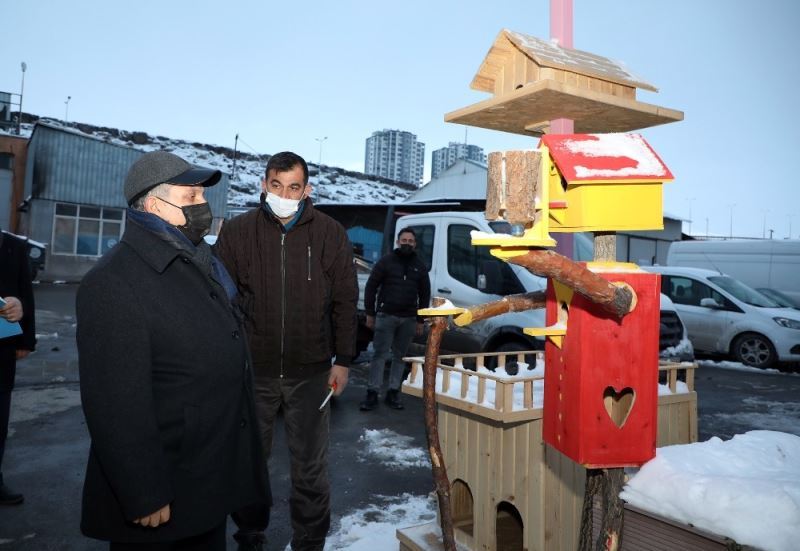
[[395, 154], [444, 158]]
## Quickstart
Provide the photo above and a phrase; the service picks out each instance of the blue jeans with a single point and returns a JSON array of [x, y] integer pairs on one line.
[[392, 333]]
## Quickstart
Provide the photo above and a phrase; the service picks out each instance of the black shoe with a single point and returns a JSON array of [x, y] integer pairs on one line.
[[371, 402], [393, 399], [9, 497]]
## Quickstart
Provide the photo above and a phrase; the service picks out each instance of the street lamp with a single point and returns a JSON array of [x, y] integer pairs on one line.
[[319, 164], [24, 67], [66, 109], [690, 199]]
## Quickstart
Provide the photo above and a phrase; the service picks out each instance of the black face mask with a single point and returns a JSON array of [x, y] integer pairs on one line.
[[198, 221], [406, 249]]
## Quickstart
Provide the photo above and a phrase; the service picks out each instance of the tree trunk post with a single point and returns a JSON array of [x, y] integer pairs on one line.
[[441, 482]]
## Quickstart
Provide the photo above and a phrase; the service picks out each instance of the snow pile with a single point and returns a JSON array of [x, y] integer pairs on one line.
[[394, 450], [746, 488], [375, 526], [680, 388], [682, 349]]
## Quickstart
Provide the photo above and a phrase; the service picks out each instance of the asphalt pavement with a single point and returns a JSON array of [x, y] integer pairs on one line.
[[47, 449]]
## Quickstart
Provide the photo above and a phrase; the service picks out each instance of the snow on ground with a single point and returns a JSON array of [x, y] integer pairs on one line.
[[373, 528], [740, 367], [394, 450], [746, 488]]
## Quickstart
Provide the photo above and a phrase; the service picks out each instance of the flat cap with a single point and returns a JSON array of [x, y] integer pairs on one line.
[[160, 167]]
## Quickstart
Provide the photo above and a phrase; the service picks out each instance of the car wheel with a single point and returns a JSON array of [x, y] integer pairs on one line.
[[511, 362], [754, 350]]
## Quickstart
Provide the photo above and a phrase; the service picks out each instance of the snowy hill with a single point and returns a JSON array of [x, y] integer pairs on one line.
[[333, 185]]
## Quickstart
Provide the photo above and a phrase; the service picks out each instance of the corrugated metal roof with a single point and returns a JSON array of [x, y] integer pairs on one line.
[[71, 167]]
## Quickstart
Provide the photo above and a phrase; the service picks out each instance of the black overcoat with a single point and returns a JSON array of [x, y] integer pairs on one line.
[[15, 281], [166, 388]]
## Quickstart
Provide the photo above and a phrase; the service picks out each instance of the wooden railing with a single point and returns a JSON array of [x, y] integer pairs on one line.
[[457, 380]]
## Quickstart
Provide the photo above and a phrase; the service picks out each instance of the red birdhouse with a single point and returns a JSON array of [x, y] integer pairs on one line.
[[601, 376]]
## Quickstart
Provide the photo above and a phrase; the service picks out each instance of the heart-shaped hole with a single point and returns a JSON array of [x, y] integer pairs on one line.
[[618, 404]]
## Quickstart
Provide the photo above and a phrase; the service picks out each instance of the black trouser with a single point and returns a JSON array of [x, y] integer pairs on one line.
[[213, 540], [307, 435], [8, 363]]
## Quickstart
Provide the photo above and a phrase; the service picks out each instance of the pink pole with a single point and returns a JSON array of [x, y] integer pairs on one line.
[[561, 30]]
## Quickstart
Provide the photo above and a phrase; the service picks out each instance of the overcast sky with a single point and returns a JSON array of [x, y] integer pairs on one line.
[[285, 74]]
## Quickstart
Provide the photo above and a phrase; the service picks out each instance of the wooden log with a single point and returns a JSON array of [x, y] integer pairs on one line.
[[440, 480], [612, 298], [510, 303], [512, 186]]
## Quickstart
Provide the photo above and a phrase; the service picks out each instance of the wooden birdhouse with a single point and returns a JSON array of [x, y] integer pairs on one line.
[[534, 81], [601, 376], [603, 182]]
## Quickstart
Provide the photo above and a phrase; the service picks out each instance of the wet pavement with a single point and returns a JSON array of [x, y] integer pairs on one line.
[[46, 452]]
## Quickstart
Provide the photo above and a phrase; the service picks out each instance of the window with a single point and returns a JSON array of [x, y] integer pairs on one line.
[[424, 248], [683, 290], [466, 263], [85, 230]]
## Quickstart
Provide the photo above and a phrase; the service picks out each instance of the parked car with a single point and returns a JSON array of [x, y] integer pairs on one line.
[[780, 297], [468, 275], [36, 253], [725, 316]]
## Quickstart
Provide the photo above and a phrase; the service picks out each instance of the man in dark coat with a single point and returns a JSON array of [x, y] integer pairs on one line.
[[400, 281], [166, 379], [293, 267], [17, 292]]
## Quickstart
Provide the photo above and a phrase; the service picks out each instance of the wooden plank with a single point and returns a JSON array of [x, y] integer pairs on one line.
[[662, 432], [535, 469], [553, 496], [593, 111]]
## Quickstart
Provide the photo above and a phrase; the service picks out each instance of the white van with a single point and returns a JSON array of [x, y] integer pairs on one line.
[[469, 275], [725, 316], [772, 263]]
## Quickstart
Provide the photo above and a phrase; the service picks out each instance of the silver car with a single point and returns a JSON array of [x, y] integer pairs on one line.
[[725, 316]]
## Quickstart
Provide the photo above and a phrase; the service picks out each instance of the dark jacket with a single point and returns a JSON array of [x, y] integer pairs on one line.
[[298, 290], [401, 283], [15, 281], [166, 387]]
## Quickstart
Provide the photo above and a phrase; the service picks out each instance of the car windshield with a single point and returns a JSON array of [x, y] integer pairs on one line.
[[743, 292], [777, 296]]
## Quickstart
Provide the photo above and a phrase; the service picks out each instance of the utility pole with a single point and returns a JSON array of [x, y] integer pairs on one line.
[[319, 165], [66, 110], [235, 145]]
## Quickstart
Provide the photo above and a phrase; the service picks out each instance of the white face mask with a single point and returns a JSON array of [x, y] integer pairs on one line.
[[282, 208]]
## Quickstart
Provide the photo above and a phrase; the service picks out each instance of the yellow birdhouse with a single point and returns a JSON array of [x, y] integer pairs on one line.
[[603, 182]]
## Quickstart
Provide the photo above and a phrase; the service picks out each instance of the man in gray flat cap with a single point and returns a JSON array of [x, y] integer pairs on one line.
[[166, 383]]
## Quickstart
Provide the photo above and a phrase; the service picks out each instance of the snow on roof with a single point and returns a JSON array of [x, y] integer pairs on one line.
[[330, 185], [605, 157], [746, 488], [550, 54]]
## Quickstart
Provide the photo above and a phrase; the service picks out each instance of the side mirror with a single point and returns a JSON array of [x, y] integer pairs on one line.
[[710, 303]]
